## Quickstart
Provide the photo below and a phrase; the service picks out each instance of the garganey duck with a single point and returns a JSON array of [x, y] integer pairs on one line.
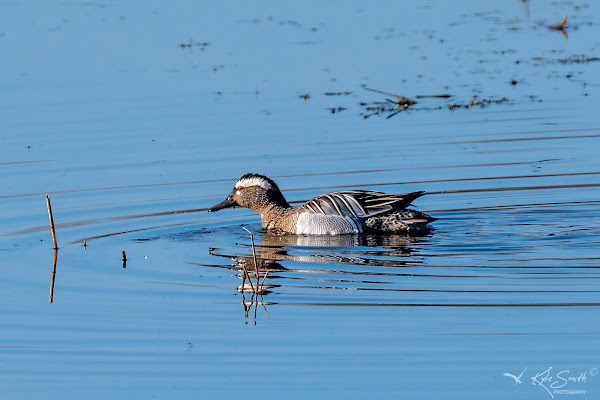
[[336, 213]]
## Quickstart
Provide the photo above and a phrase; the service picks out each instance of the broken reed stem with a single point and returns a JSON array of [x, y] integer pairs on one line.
[[255, 263], [51, 222], [379, 91], [265, 277]]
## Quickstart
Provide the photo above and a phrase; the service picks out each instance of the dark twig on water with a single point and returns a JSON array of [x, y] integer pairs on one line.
[[51, 222], [264, 277], [124, 259]]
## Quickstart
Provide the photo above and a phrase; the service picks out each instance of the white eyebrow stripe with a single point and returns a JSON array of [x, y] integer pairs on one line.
[[253, 181]]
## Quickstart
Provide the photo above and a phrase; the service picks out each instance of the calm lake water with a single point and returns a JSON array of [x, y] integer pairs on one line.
[[136, 118]]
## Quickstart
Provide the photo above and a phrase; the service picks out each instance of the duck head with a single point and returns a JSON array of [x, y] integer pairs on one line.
[[253, 191]]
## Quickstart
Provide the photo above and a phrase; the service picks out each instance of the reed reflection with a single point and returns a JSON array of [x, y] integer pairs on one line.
[[51, 299]]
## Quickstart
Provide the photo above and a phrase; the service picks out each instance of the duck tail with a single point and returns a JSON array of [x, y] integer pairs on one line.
[[410, 197]]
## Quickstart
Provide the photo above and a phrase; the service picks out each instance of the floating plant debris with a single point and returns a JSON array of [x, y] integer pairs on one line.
[[433, 96], [400, 100], [578, 59], [338, 93], [560, 26], [191, 43]]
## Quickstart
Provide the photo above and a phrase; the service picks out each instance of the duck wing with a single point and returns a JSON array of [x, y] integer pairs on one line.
[[360, 203]]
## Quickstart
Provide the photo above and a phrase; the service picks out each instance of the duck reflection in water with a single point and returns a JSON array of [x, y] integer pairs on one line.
[[341, 250]]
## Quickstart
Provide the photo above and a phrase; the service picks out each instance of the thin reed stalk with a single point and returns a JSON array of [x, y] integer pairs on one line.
[[51, 222], [255, 262]]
